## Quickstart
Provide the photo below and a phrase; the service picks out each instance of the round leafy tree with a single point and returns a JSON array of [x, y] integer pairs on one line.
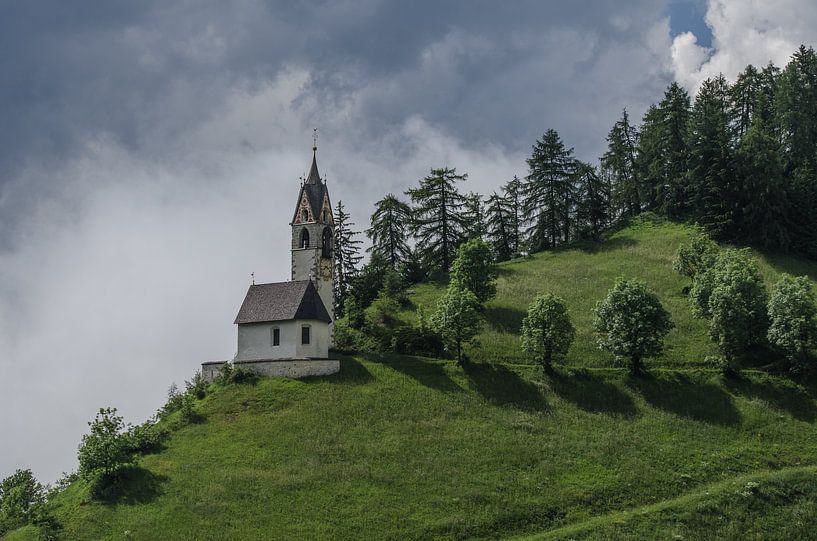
[[793, 315], [732, 295], [696, 255], [630, 322], [474, 269], [457, 319], [105, 451], [547, 331]]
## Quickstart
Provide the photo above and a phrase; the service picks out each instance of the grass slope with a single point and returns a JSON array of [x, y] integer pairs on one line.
[[582, 275], [409, 448]]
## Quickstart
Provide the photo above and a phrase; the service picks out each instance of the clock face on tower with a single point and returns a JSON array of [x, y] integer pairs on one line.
[[326, 269]]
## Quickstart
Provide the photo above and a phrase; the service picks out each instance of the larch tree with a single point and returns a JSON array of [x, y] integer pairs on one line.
[[474, 215], [592, 201], [512, 203], [389, 230], [548, 194], [438, 218], [620, 161], [711, 166], [346, 255], [498, 227]]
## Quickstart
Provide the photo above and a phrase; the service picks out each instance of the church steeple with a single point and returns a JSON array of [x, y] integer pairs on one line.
[[313, 234], [314, 177]]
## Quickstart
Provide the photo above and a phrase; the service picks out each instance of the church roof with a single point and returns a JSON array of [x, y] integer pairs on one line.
[[282, 301], [314, 188]]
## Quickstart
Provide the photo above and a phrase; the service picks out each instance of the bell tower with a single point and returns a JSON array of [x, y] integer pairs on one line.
[[313, 236]]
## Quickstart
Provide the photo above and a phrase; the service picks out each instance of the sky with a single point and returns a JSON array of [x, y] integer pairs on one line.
[[151, 151]]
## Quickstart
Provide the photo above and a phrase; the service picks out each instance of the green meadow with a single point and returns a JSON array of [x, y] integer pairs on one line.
[[399, 447]]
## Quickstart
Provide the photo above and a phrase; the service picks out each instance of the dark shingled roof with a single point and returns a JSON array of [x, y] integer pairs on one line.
[[282, 301], [314, 188]]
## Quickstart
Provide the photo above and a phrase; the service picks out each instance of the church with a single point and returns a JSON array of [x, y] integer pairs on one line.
[[285, 328]]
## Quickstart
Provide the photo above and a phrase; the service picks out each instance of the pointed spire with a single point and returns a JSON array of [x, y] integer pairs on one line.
[[314, 177]]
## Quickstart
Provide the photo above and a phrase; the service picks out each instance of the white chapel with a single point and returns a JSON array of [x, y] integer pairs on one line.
[[285, 328]]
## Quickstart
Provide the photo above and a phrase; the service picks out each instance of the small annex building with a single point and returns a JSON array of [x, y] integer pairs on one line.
[[285, 328], [284, 320]]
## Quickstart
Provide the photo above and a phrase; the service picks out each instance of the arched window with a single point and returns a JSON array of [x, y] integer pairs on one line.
[[304, 238], [304, 215], [325, 216], [326, 243]]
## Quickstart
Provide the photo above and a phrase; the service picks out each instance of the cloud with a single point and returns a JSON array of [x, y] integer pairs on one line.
[[744, 32], [152, 152]]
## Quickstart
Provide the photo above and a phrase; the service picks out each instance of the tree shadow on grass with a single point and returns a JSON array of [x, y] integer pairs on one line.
[[351, 372], [592, 393], [429, 374], [676, 393], [504, 387], [134, 485], [504, 319], [797, 402]]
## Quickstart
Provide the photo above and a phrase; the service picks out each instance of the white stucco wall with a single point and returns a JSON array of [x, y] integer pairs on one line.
[[283, 369], [255, 341], [303, 264], [318, 347]]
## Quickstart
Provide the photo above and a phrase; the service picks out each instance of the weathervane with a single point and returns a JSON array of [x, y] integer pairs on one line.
[[252, 274], [314, 138]]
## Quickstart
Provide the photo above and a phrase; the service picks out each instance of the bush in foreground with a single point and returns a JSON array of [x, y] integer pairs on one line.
[[631, 322], [793, 315], [105, 452], [547, 331], [457, 320]]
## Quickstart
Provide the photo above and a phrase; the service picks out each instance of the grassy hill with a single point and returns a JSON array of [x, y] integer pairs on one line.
[[582, 275], [397, 447]]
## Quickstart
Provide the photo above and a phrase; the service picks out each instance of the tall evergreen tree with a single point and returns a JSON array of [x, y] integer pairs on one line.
[[763, 202], [675, 111], [593, 201], [474, 214], [512, 201], [796, 113], [438, 221], [389, 230], [497, 227], [711, 175], [346, 255], [548, 196], [620, 161]]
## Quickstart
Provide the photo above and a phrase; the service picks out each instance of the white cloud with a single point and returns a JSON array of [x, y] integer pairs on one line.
[[744, 32]]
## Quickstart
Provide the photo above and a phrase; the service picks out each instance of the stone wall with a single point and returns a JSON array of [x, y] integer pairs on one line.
[[292, 368]]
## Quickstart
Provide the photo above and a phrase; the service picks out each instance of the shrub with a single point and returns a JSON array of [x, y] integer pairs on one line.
[[230, 374], [631, 322], [793, 318], [474, 269], [173, 403], [456, 319], [696, 255], [105, 452], [547, 331], [197, 386], [22, 501], [145, 438], [732, 295]]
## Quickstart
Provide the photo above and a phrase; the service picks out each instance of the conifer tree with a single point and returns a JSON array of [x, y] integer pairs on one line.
[[346, 255], [711, 175], [389, 230], [620, 161], [474, 215], [763, 202], [796, 115], [438, 221], [674, 151], [548, 195], [593, 201], [497, 227], [512, 201]]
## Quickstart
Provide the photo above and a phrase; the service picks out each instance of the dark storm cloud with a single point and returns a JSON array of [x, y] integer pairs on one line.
[[150, 150]]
